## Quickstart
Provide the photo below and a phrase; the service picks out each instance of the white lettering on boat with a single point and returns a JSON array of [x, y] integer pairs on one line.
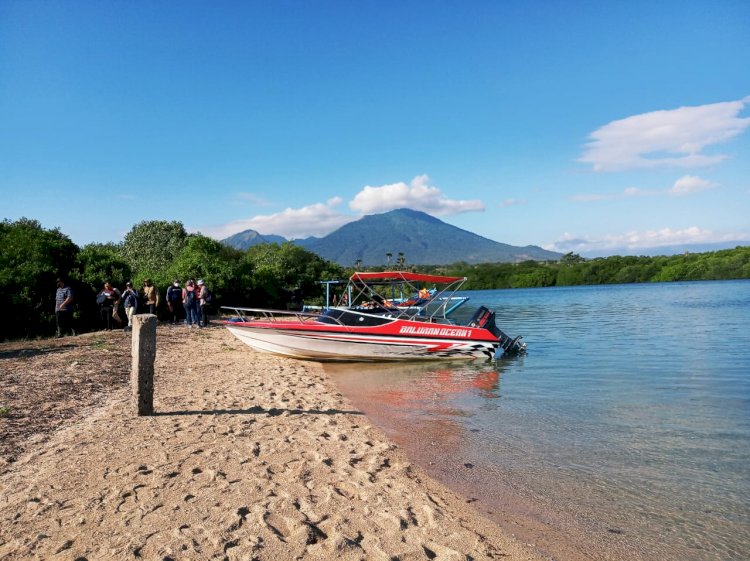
[[443, 331]]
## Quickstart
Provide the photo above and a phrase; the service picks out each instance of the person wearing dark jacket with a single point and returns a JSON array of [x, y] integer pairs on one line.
[[130, 300], [174, 302]]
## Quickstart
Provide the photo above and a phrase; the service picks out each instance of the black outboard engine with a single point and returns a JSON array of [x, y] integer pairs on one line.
[[486, 319]]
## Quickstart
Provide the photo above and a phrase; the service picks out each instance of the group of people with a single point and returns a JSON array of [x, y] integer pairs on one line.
[[191, 303], [110, 298]]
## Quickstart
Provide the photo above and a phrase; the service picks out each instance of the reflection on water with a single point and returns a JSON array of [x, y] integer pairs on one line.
[[414, 390], [422, 381], [626, 427]]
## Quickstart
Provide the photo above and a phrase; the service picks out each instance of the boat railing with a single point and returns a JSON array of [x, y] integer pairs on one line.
[[435, 310], [249, 314]]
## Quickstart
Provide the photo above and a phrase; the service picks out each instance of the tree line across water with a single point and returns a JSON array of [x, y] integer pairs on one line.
[[265, 275], [575, 270]]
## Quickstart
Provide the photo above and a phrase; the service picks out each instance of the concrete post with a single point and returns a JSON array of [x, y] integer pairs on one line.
[[142, 371]]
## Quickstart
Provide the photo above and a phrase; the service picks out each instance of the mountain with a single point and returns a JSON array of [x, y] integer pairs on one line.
[[423, 239], [249, 238]]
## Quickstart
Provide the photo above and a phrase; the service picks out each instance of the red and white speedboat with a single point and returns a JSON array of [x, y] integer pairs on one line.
[[383, 318]]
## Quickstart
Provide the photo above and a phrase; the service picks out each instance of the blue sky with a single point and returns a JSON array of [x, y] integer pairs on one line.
[[576, 126]]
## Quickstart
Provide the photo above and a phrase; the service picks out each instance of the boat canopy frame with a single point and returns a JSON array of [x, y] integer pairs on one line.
[[401, 303], [363, 298]]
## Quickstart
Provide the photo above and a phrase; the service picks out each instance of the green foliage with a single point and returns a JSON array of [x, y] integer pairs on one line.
[[151, 247], [95, 265], [222, 267], [4, 411], [572, 269], [30, 261], [100, 263], [281, 268], [264, 275]]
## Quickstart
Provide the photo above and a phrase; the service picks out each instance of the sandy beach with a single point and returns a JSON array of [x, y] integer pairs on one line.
[[249, 456]]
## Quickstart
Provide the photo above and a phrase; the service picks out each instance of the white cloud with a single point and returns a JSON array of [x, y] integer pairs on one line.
[[625, 194], [685, 185], [314, 220], [673, 137], [512, 202], [688, 184], [635, 240], [418, 195]]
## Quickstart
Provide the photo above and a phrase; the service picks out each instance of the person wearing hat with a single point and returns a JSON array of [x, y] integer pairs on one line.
[[64, 308], [150, 296], [174, 302], [130, 301]]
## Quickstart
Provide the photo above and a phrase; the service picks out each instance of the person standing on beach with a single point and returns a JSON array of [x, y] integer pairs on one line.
[[205, 298], [108, 300], [174, 301], [190, 302], [130, 300], [151, 296], [64, 308]]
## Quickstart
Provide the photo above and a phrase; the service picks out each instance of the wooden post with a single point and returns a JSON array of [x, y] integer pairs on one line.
[[142, 371]]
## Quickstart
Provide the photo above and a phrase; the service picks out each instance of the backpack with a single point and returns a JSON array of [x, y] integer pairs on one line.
[[189, 296], [209, 297], [174, 294]]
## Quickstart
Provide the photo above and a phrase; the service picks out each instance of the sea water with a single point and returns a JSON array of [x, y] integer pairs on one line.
[[624, 433]]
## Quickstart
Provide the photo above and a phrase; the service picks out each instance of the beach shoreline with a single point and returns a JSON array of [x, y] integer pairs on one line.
[[249, 456]]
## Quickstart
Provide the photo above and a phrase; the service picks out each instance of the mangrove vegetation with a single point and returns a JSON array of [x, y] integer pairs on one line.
[[266, 275]]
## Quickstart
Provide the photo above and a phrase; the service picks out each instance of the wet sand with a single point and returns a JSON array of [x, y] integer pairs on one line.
[[412, 404], [249, 456]]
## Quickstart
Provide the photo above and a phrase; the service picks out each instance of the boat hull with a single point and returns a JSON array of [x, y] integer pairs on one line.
[[340, 345]]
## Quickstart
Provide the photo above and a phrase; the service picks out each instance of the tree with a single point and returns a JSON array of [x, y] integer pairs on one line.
[[151, 246], [279, 269], [571, 259], [227, 274], [400, 261], [96, 264], [30, 261]]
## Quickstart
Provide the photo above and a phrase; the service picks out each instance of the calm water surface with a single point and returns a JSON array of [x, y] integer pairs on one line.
[[625, 430]]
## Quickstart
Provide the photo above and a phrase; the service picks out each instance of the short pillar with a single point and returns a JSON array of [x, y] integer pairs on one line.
[[142, 371]]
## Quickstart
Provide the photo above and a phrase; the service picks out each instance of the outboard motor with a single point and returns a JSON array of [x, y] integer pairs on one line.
[[486, 319]]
